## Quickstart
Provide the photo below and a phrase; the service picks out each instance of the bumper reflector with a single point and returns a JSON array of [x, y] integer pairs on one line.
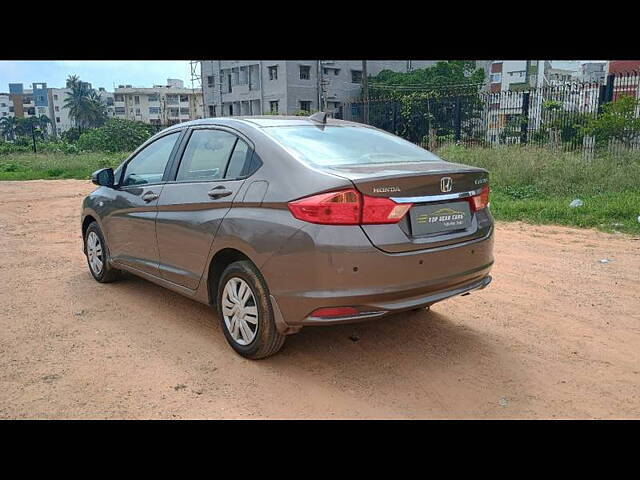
[[334, 312]]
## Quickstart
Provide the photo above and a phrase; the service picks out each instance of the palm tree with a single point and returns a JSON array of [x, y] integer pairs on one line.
[[72, 80], [85, 105], [8, 127]]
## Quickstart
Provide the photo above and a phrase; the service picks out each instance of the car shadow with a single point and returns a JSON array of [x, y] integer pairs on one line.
[[411, 356]]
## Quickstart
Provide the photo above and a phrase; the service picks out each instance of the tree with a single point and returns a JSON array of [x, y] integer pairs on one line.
[[72, 80], [618, 121], [456, 74], [8, 127], [428, 101], [43, 123], [85, 105]]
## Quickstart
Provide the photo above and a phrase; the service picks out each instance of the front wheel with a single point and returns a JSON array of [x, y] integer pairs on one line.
[[245, 312], [96, 250]]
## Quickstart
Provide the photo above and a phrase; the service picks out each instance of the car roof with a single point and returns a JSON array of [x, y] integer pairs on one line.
[[263, 121]]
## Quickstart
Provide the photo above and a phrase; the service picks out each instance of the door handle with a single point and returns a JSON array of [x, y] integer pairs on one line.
[[219, 192], [150, 196]]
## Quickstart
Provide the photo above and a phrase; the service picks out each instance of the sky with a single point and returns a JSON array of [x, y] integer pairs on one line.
[[103, 73], [110, 73]]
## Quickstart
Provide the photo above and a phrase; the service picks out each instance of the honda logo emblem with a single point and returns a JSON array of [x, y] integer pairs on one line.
[[446, 183]]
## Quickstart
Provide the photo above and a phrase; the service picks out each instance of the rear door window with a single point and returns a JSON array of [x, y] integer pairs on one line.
[[206, 156]]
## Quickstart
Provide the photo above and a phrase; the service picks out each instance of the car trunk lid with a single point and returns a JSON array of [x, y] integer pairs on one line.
[[439, 192]]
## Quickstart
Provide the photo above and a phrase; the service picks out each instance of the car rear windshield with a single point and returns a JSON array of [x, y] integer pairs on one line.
[[333, 145]]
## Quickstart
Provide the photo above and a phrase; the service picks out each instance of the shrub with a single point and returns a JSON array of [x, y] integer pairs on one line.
[[116, 135]]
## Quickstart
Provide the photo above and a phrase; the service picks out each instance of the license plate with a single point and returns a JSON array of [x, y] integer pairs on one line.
[[438, 218]]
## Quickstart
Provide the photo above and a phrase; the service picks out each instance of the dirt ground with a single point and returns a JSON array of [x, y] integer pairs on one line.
[[556, 335]]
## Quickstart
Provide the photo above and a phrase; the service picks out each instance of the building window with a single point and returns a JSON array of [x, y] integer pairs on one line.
[[172, 99], [356, 76], [184, 98], [211, 114], [229, 83], [109, 101], [57, 119], [55, 97], [273, 72], [173, 112], [152, 98], [136, 100], [184, 111], [119, 98], [305, 72], [496, 77], [273, 105], [120, 111], [231, 110], [154, 110], [57, 108], [210, 81], [137, 111], [305, 105]]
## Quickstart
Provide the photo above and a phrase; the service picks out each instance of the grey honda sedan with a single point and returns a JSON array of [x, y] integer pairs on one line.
[[284, 222]]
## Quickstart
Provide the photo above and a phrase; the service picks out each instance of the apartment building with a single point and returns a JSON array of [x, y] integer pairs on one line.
[[5, 105], [593, 71], [42, 100], [258, 87], [158, 105]]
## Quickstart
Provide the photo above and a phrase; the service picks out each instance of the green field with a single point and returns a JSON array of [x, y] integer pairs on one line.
[[29, 166], [535, 185], [529, 184]]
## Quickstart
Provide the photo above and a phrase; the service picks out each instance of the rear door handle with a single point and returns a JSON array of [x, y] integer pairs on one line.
[[219, 192], [150, 196]]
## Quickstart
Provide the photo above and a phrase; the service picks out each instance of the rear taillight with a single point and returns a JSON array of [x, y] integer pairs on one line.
[[382, 210], [480, 201], [333, 208], [347, 207]]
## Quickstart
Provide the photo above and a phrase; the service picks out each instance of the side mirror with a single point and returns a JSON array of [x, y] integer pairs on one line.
[[103, 177]]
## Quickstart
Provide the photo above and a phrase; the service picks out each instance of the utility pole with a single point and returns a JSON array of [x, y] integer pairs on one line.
[[365, 91]]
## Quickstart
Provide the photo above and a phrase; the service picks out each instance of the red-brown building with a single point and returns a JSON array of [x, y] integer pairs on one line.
[[627, 76], [624, 66]]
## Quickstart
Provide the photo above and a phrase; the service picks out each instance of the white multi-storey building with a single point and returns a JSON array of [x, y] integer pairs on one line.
[[258, 87], [5, 105], [158, 105]]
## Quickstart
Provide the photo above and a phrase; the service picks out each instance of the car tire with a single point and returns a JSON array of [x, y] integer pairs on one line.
[[97, 253], [246, 317]]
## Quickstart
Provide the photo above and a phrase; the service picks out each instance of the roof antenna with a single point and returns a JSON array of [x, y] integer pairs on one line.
[[320, 117]]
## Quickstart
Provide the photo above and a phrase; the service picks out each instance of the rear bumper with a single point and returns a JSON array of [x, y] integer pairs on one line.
[[330, 267], [387, 308]]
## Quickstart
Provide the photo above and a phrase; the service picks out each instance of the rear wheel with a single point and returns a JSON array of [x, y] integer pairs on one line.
[[96, 251], [245, 312]]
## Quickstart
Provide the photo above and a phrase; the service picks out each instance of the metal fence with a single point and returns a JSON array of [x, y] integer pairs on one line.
[[556, 116]]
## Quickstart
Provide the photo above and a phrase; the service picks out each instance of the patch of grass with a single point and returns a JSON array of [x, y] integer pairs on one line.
[[536, 185], [29, 166], [607, 212], [528, 184]]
